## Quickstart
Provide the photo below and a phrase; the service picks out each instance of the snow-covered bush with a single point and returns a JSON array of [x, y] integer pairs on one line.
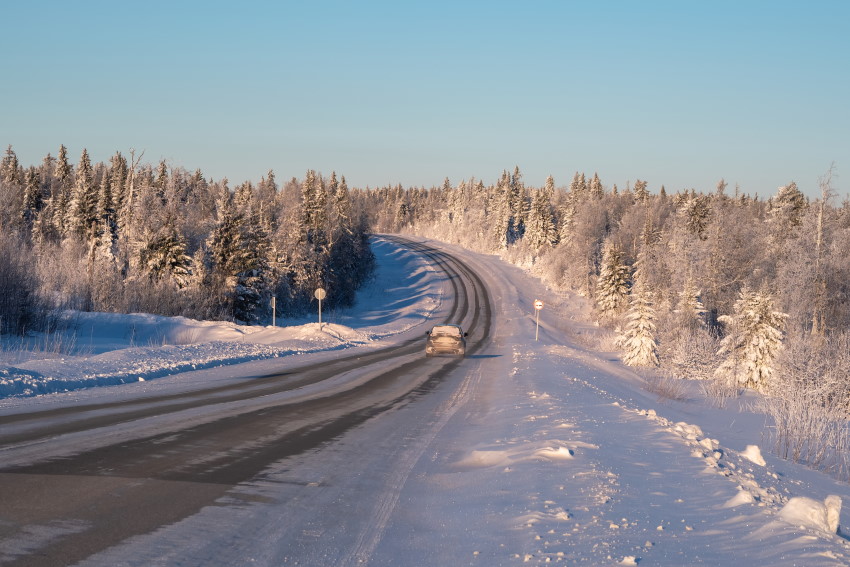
[[809, 403], [665, 387]]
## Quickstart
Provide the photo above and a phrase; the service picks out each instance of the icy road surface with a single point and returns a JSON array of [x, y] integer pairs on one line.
[[525, 453]]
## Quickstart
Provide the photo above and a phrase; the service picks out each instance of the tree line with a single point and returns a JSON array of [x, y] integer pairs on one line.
[[724, 287], [125, 236]]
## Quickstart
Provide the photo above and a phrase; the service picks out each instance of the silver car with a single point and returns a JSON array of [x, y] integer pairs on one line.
[[446, 339]]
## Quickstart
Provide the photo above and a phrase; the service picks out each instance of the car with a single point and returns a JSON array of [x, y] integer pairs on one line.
[[446, 339]]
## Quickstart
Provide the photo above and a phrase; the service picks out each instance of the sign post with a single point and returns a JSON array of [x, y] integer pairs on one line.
[[538, 305], [320, 294], [274, 311]]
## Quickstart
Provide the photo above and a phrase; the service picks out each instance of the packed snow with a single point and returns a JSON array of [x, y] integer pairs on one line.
[[547, 451]]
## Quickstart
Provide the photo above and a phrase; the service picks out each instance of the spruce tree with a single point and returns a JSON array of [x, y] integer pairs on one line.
[[540, 230], [638, 338], [578, 187], [83, 205], [63, 169], [502, 223], [612, 286], [165, 256], [10, 171], [596, 190], [754, 338], [640, 191], [32, 197]]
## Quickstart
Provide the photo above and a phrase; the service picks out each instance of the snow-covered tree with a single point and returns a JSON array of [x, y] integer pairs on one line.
[[612, 286], [596, 189], [578, 187], [518, 206], [754, 338], [33, 201], [689, 309], [638, 338], [63, 167], [697, 213], [83, 205], [567, 223], [164, 256], [10, 171], [640, 191], [540, 228], [788, 206], [503, 220]]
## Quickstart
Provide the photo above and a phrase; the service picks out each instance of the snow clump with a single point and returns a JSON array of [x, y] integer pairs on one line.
[[753, 453], [810, 513]]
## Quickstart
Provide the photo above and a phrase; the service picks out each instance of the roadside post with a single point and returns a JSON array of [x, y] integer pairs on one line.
[[320, 294], [274, 311], [538, 305]]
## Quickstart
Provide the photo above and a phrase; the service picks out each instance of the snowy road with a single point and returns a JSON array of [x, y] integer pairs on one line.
[[162, 458], [524, 452]]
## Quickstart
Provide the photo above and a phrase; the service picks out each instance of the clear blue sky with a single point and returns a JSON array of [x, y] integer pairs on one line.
[[678, 93]]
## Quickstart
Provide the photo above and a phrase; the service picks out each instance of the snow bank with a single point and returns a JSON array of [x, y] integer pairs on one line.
[[814, 514], [135, 364], [107, 349]]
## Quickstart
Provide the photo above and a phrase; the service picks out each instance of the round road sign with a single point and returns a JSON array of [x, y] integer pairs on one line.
[[320, 294], [538, 304]]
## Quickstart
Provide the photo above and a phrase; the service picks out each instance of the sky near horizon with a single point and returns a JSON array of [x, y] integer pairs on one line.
[[677, 93]]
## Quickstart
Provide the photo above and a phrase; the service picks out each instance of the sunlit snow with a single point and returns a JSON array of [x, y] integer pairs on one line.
[[546, 452]]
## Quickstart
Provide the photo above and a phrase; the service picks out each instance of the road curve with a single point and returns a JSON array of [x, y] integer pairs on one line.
[[154, 461]]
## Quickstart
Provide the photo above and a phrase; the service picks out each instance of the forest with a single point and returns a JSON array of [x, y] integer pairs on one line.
[[130, 237], [736, 291]]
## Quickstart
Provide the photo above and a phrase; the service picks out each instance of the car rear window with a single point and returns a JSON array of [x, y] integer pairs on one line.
[[446, 330]]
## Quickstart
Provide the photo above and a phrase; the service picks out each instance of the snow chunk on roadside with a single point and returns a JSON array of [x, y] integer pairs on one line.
[[555, 453], [753, 453], [743, 497], [810, 513]]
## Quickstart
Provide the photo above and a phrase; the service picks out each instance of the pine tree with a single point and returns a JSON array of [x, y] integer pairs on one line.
[[640, 191], [596, 190], [540, 230], [33, 201], [10, 170], [567, 224], [578, 187], [83, 205], [518, 206], [754, 338], [503, 220], [314, 202], [63, 168], [697, 213], [788, 206], [164, 256], [638, 338], [612, 286], [105, 211], [253, 281]]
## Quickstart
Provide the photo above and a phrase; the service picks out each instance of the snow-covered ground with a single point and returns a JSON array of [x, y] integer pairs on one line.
[[544, 451]]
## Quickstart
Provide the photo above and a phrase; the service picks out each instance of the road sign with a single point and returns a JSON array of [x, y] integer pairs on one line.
[[320, 294], [538, 305]]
